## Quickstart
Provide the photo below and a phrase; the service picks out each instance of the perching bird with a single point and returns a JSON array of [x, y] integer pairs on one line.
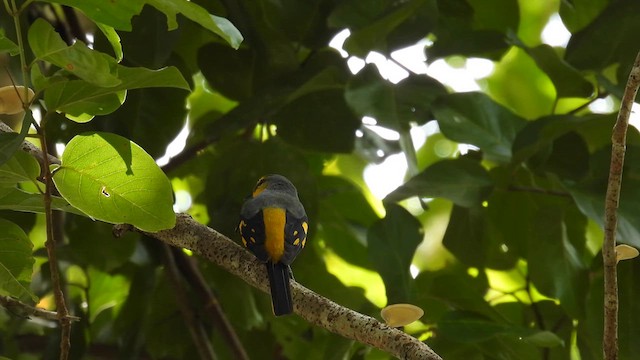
[[273, 226]]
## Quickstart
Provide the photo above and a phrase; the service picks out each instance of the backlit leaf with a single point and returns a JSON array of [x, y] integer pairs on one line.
[[112, 179]]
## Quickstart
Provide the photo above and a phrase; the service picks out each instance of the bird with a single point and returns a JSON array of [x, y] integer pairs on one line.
[[273, 226]]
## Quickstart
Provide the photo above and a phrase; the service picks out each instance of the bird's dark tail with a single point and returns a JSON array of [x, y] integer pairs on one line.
[[280, 290]]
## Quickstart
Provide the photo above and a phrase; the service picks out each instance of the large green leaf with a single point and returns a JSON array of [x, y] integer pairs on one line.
[[20, 167], [463, 181], [473, 118], [82, 100], [607, 40], [393, 106], [392, 243], [114, 180], [16, 261], [196, 13], [119, 14], [92, 66]]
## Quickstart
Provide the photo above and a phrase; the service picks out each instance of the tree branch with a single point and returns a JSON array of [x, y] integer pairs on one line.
[[198, 335], [312, 307], [191, 273], [618, 140], [19, 308]]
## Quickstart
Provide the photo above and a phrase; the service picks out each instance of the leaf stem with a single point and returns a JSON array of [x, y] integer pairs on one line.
[[618, 146]]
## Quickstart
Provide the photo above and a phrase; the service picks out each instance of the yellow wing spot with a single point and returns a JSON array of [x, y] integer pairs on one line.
[[304, 242], [252, 240], [253, 230], [295, 233], [244, 242], [305, 227], [296, 242]]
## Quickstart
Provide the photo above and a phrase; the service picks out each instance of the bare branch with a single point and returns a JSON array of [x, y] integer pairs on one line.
[[19, 308], [312, 307], [618, 139], [198, 334]]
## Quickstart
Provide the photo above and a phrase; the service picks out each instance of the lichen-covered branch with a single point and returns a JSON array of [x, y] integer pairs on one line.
[[618, 139], [312, 307]]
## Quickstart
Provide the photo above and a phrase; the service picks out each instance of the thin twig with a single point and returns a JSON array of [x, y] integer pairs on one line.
[[618, 140], [198, 334], [193, 276], [19, 308], [50, 244], [312, 307]]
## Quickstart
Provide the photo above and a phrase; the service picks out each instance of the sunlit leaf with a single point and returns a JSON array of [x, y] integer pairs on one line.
[[78, 97], [90, 65], [194, 12], [112, 179]]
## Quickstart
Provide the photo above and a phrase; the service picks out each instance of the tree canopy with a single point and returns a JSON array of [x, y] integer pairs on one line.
[[495, 232]]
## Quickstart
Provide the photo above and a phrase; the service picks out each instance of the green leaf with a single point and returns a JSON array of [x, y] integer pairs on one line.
[[609, 39], [7, 45], [90, 65], [374, 35], [392, 244], [543, 339], [20, 167], [577, 14], [236, 81], [469, 239], [16, 261], [112, 179], [568, 81], [466, 327], [393, 106], [218, 25], [10, 142], [113, 38], [473, 118], [79, 98], [345, 215], [556, 252], [12, 198], [463, 181], [319, 121], [117, 14]]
